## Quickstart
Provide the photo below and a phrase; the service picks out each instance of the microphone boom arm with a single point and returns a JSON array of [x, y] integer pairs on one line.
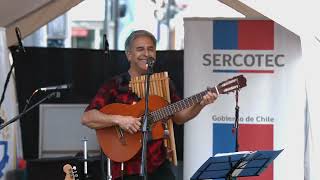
[[27, 110]]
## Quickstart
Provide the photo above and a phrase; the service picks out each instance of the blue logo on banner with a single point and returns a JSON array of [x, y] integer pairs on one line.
[[4, 160], [225, 35]]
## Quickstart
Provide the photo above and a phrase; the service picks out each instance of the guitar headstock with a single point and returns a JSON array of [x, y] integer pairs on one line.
[[232, 84], [71, 172]]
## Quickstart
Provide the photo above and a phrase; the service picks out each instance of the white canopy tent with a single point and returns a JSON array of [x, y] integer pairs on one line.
[[30, 15]]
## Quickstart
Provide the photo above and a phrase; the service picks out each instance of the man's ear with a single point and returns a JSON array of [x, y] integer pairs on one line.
[[128, 54]]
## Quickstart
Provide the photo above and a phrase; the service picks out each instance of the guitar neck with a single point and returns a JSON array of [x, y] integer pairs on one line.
[[179, 106]]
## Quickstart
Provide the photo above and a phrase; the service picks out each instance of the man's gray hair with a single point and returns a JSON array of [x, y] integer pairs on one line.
[[138, 33]]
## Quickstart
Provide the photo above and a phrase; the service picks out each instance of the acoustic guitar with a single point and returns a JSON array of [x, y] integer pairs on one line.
[[121, 146]]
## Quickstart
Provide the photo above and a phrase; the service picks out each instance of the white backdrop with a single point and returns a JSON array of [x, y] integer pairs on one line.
[[275, 90]]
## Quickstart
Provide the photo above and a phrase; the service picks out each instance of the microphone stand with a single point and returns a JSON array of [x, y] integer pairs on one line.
[[236, 129], [19, 49], [103, 157], [236, 122], [145, 129], [56, 94]]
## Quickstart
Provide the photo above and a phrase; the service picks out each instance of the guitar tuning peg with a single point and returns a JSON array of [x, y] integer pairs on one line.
[[74, 168]]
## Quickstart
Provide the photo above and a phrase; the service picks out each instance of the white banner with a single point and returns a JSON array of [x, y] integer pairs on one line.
[[271, 105], [9, 135], [310, 50]]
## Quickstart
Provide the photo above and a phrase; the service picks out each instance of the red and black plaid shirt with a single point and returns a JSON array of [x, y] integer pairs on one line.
[[117, 91]]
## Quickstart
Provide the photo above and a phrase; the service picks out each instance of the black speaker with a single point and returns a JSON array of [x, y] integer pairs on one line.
[[17, 174]]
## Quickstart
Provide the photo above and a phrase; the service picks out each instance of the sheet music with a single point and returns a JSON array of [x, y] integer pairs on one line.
[[233, 153], [245, 154]]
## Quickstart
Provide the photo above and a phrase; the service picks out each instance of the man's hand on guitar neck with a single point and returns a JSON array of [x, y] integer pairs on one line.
[[191, 112], [208, 98]]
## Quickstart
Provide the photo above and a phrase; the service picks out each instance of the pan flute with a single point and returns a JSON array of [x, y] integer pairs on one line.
[[159, 85]]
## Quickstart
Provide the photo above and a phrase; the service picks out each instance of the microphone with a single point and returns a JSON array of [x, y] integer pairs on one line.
[[59, 87], [1, 120], [106, 45], [150, 61], [18, 34]]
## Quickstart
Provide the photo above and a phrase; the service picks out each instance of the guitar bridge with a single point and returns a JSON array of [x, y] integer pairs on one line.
[[121, 136]]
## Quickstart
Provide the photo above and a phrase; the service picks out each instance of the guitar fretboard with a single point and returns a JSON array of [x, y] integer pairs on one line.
[[178, 106], [224, 87]]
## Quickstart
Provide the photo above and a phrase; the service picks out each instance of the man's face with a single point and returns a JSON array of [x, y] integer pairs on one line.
[[142, 48]]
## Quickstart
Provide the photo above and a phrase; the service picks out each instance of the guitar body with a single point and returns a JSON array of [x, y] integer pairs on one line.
[[122, 146]]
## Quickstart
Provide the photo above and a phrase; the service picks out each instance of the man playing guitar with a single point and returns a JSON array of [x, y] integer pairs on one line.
[[139, 46]]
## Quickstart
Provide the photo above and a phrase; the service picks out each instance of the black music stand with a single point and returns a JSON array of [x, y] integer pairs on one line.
[[237, 164]]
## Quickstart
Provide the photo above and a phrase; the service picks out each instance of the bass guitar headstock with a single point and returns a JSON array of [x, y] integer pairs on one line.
[[71, 172]]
